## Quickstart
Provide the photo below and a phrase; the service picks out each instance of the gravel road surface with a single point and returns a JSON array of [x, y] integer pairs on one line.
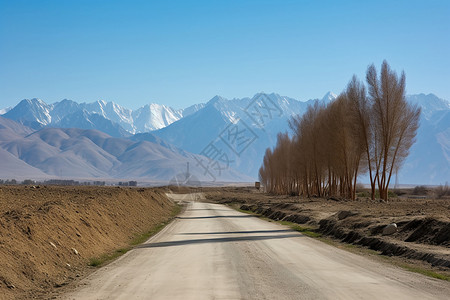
[[213, 252]]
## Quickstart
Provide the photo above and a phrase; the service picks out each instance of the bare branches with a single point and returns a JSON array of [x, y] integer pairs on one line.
[[395, 124], [361, 131]]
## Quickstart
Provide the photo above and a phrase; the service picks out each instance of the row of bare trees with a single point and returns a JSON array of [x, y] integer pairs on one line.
[[361, 132]]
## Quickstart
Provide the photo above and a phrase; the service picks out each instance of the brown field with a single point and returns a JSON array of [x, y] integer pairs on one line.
[[42, 226], [49, 235], [422, 240]]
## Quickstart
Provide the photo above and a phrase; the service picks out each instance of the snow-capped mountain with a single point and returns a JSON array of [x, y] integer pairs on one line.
[[78, 153], [69, 114], [64, 108], [215, 128], [429, 159], [154, 116], [4, 110], [87, 120], [329, 97], [429, 103], [235, 132], [113, 112], [34, 113], [192, 109], [238, 130]]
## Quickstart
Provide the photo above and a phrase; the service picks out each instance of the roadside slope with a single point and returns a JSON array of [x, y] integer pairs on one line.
[[214, 252], [48, 234]]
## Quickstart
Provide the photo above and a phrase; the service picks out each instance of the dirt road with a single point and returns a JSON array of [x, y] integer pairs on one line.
[[214, 252]]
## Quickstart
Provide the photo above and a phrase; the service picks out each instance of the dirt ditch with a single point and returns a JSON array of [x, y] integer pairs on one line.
[[48, 235]]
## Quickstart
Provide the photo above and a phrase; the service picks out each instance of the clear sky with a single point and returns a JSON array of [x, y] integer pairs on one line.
[[183, 52]]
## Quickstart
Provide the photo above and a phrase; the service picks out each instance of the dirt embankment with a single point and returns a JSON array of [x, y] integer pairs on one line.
[[423, 225], [48, 235]]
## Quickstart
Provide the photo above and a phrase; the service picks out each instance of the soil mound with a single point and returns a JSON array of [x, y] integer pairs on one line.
[[430, 231], [49, 234]]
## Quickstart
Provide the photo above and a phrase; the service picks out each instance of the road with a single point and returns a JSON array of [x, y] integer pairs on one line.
[[214, 252]]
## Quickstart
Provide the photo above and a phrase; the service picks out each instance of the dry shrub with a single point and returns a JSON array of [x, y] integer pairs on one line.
[[420, 190], [442, 191]]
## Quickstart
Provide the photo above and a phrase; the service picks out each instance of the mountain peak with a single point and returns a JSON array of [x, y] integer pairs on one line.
[[31, 112], [31, 102], [329, 96], [215, 99], [429, 103], [5, 110], [65, 100], [102, 102], [156, 106]]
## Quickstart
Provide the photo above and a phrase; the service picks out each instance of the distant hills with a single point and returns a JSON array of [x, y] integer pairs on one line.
[[104, 140], [79, 153], [429, 159]]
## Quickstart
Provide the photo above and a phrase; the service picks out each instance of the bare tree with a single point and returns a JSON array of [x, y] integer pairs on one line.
[[360, 116], [395, 123], [356, 133]]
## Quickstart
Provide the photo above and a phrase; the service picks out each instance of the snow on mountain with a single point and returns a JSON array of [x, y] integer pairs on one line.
[[77, 153], [192, 132], [235, 132], [155, 116], [5, 110], [120, 115], [63, 108], [86, 120], [429, 103], [329, 97], [238, 131], [192, 109], [215, 128], [111, 111], [429, 159], [38, 114], [34, 113]]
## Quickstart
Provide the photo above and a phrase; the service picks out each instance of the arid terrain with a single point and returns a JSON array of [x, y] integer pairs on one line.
[[51, 239], [50, 235], [422, 240], [212, 251]]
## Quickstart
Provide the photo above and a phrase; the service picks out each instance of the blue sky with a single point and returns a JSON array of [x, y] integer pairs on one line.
[[183, 52]]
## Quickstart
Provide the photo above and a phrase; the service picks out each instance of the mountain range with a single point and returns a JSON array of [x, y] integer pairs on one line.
[[85, 153], [156, 141], [108, 117]]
